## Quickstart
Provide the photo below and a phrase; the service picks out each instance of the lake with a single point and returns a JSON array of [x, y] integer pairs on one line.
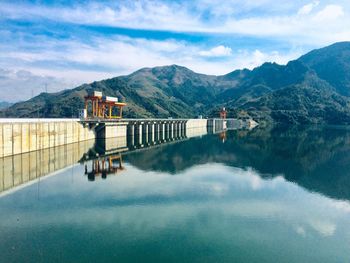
[[264, 195]]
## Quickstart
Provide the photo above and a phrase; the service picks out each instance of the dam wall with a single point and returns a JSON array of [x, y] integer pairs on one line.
[[26, 135], [196, 123], [196, 127], [18, 136]]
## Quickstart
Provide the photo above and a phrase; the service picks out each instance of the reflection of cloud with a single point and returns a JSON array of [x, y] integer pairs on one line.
[[256, 182], [219, 189], [342, 205], [323, 227], [300, 230], [159, 200]]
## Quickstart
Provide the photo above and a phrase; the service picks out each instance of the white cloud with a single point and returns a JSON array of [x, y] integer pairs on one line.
[[75, 60], [124, 54], [259, 57], [329, 13], [67, 63], [219, 51], [306, 9], [22, 84], [329, 25], [138, 14]]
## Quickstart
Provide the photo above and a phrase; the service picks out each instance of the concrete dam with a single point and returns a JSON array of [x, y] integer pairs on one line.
[[19, 136]]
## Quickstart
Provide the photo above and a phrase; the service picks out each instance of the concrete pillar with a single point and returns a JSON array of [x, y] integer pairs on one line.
[[156, 132], [149, 128], [175, 130], [144, 133], [184, 129], [144, 128], [166, 131], [152, 132], [130, 141], [130, 135], [168, 134], [171, 130], [178, 129], [161, 131], [131, 129], [138, 134]]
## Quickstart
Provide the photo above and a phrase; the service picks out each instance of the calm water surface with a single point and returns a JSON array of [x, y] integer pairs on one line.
[[277, 195]]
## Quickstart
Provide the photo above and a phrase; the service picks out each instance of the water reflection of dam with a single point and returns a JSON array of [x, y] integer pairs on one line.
[[101, 157], [20, 169], [103, 167], [316, 159], [105, 157]]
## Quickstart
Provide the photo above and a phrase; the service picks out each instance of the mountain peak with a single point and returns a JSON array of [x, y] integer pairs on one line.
[[171, 69], [331, 63], [159, 70], [331, 50], [314, 88], [338, 45]]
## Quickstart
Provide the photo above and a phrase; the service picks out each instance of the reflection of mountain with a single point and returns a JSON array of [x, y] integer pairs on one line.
[[317, 159]]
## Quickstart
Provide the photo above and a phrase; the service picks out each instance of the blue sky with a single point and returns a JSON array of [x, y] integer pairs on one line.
[[61, 44]]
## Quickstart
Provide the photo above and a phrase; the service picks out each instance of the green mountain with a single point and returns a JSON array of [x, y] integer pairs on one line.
[[150, 92], [4, 104], [312, 89], [332, 64], [312, 101]]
